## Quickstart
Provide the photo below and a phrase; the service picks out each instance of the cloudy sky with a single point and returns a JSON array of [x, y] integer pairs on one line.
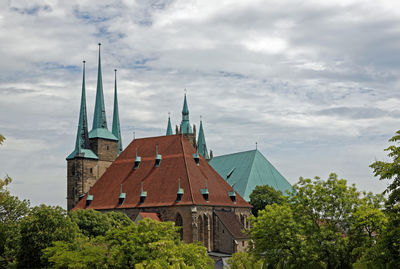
[[316, 85]]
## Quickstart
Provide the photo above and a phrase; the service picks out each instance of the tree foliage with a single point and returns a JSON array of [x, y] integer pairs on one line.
[[43, 225], [324, 224], [391, 171], [263, 196]]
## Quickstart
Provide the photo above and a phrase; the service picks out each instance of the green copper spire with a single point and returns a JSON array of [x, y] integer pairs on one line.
[[185, 124], [169, 127], [100, 129], [99, 120], [116, 130], [201, 144], [82, 148]]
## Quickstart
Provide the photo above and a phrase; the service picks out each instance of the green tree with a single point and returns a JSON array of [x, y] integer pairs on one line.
[[80, 253], [244, 260], [263, 196], [281, 238], [387, 249], [391, 171], [324, 224], [12, 210], [92, 223], [118, 219], [151, 241], [43, 225]]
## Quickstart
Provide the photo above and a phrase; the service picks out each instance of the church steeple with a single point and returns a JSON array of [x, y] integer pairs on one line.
[[169, 127], [100, 129], [202, 146], [99, 119], [185, 124], [116, 129], [82, 147]]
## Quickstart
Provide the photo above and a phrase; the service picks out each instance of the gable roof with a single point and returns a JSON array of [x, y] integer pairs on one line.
[[160, 183], [246, 170], [231, 223]]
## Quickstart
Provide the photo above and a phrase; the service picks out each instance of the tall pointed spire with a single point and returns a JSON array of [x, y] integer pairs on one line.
[[116, 129], [202, 146], [169, 127], [100, 129], [185, 124], [82, 147], [99, 119]]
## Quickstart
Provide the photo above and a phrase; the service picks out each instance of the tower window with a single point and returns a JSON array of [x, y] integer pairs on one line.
[[91, 170], [108, 147]]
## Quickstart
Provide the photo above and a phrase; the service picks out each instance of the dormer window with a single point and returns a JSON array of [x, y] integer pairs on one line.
[[143, 195], [121, 197], [196, 158], [158, 158], [89, 200], [232, 195], [204, 192], [138, 159], [180, 192]]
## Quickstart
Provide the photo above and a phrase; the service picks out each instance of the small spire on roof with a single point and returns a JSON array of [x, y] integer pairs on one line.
[[185, 124], [169, 127], [256, 145], [201, 142]]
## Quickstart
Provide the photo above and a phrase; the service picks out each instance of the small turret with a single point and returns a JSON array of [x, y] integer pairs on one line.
[[169, 128], [201, 143]]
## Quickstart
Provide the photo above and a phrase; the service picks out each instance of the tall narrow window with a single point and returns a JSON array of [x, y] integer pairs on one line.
[[179, 223]]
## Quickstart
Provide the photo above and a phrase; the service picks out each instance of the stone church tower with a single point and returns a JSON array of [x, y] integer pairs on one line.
[[95, 150]]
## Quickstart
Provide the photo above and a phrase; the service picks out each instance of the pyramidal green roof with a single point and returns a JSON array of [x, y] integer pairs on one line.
[[185, 124], [201, 143], [116, 128], [82, 147], [169, 127], [246, 170], [100, 129]]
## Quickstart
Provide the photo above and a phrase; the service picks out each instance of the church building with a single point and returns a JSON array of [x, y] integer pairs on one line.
[[166, 177]]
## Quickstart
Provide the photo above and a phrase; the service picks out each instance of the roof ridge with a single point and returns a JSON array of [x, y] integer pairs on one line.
[[187, 171]]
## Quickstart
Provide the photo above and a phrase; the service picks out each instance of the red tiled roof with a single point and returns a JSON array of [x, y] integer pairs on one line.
[[232, 224], [148, 215], [160, 183]]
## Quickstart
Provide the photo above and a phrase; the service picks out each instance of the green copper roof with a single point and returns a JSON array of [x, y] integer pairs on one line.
[[102, 133], [201, 144], [169, 128], [246, 170], [185, 124], [100, 129], [116, 129], [82, 147]]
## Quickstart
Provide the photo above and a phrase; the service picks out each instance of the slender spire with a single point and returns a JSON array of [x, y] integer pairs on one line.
[[202, 146], [82, 147], [185, 124], [169, 128], [99, 119], [116, 129]]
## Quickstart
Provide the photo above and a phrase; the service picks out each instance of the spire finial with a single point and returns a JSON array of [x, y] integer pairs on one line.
[[256, 145], [121, 189]]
